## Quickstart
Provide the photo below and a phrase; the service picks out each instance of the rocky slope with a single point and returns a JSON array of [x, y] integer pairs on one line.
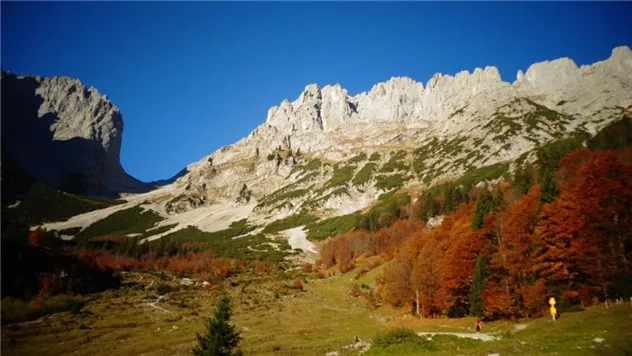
[[329, 153], [67, 135], [456, 123]]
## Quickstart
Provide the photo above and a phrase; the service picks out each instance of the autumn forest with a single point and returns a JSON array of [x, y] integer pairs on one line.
[[559, 228]]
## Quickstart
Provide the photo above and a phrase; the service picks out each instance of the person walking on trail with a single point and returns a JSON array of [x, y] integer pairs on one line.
[[478, 326]]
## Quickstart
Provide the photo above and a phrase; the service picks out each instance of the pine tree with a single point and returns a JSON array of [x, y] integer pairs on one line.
[[523, 179], [220, 338], [480, 273], [484, 205], [428, 209], [550, 188]]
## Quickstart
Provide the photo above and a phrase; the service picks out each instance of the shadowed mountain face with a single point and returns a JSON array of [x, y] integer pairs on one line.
[[64, 134]]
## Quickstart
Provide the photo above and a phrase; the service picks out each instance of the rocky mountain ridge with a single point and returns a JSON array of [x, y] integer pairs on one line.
[[553, 99], [328, 153]]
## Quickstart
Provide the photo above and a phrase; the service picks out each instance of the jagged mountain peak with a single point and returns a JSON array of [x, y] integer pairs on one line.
[[490, 119]]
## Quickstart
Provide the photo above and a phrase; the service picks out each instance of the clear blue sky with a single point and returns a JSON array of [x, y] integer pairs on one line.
[[190, 77]]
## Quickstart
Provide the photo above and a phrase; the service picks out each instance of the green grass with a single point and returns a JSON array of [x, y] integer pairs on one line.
[[274, 320], [41, 203], [374, 157], [121, 223], [331, 227], [288, 223], [364, 175]]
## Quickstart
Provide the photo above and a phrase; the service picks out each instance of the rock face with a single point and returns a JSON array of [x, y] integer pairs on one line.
[[65, 134], [478, 118]]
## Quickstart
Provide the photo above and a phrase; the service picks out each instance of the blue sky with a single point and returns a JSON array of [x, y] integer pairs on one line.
[[190, 77]]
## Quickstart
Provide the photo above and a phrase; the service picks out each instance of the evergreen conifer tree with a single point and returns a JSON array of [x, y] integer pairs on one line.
[[476, 289], [220, 338]]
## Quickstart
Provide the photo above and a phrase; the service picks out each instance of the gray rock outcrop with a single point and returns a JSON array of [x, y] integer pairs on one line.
[[67, 135]]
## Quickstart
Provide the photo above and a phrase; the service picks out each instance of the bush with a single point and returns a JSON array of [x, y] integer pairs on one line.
[[395, 164], [355, 290], [163, 288], [333, 226], [340, 177], [40, 203], [397, 336], [359, 158], [121, 223], [364, 174], [298, 285], [307, 268], [288, 223], [16, 310], [390, 182]]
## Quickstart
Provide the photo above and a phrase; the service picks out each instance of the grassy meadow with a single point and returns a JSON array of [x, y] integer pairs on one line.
[[158, 315]]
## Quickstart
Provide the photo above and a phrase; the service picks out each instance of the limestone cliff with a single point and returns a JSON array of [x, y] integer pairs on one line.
[[481, 118], [67, 135]]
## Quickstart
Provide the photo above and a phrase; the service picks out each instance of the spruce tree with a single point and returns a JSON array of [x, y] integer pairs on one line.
[[220, 338], [476, 289], [484, 205]]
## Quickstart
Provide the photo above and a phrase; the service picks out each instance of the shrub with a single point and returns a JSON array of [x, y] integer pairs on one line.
[[364, 174], [330, 227], [163, 288], [15, 310], [355, 290], [320, 275], [359, 158], [385, 182], [39, 203], [340, 177], [298, 285], [374, 157], [121, 223], [288, 223], [395, 164], [307, 268], [397, 336]]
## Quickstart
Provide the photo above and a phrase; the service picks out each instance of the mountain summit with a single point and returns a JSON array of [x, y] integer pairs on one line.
[[483, 119]]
